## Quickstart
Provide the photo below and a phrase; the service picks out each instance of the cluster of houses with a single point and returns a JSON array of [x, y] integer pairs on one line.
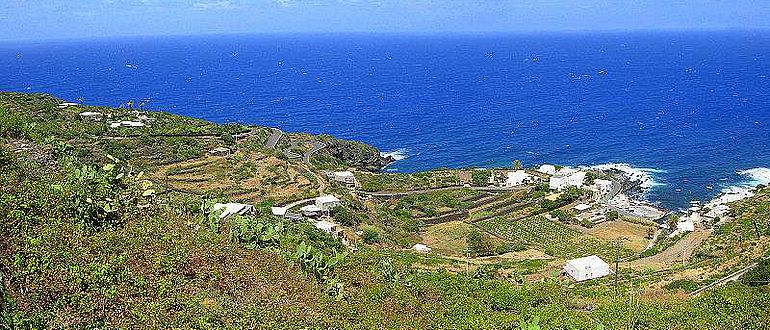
[[98, 116]]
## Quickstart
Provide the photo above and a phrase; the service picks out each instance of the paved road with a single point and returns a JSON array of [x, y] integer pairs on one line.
[[274, 138], [316, 145]]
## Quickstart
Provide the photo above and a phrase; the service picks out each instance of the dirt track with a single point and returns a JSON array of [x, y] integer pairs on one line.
[[682, 250]]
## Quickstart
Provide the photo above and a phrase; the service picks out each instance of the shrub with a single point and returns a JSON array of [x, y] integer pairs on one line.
[[371, 235], [478, 243], [683, 284]]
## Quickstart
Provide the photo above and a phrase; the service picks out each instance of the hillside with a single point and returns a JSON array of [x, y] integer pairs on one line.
[[112, 227]]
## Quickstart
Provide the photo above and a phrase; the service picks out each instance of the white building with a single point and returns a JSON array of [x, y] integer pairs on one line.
[[311, 210], [326, 226], [67, 105], [327, 203], [516, 178], [547, 169], [421, 248], [220, 151], [560, 181], [230, 209], [582, 207], [602, 186], [90, 115], [586, 268], [127, 123], [685, 226], [345, 177], [278, 211]]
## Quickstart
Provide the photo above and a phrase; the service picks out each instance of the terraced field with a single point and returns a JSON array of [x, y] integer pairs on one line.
[[553, 238]]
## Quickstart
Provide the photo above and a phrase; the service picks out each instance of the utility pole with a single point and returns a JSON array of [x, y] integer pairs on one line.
[[756, 228], [617, 262]]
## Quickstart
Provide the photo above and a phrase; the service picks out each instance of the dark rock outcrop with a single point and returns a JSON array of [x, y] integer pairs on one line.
[[352, 154]]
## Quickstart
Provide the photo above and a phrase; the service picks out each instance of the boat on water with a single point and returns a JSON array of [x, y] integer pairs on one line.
[[709, 187]]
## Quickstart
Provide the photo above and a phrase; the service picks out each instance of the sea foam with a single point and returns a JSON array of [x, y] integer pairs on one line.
[[757, 176], [399, 154], [641, 175]]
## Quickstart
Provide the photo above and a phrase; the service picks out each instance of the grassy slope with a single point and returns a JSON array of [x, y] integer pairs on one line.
[[162, 265]]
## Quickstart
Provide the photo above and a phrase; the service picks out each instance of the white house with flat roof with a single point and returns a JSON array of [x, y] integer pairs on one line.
[[516, 178], [311, 210], [547, 169], [345, 177], [326, 226], [230, 209], [90, 115], [327, 202], [586, 268], [421, 248], [562, 181], [582, 207], [602, 186]]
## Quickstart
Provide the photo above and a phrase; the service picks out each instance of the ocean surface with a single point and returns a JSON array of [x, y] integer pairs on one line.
[[691, 109]]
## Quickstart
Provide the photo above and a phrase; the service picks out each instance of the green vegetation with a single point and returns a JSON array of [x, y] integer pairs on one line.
[[400, 182], [554, 238]]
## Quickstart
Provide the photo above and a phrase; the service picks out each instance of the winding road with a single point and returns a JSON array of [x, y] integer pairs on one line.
[[272, 141]]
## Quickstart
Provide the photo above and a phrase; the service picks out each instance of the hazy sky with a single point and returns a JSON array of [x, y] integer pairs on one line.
[[55, 19]]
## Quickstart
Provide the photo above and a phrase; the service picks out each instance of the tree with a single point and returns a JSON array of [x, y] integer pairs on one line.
[[517, 165], [612, 215]]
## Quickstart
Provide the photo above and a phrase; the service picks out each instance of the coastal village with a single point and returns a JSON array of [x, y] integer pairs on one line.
[[321, 211], [601, 198]]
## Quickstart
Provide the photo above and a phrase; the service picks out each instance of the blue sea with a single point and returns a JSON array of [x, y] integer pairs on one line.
[[690, 107]]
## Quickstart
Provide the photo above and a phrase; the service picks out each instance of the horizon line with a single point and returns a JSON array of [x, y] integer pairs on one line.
[[392, 33]]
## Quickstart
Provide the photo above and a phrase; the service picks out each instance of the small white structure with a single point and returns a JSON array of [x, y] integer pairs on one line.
[[560, 181], [310, 210], [230, 209], [345, 177], [685, 226], [326, 226], [90, 115], [602, 186], [327, 203], [422, 248], [67, 105], [278, 211], [582, 207], [547, 169], [566, 171], [220, 151], [127, 123], [586, 268], [516, 178]]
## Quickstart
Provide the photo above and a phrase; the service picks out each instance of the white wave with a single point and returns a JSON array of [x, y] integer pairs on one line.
[[641, 175], [758, 176], [399, 154]]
